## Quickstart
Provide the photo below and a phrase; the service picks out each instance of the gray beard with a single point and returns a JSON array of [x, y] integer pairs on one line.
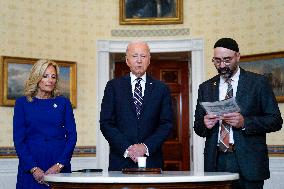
[[225, 72]]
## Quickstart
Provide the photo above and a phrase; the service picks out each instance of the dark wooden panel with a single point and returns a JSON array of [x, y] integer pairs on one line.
[[173, 165], [170, 152], [175, 134]]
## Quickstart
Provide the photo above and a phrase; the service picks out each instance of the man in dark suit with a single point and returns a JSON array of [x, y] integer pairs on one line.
[[246, 151], [136, 113]]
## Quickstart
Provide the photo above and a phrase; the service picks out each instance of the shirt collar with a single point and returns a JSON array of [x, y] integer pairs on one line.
[[133, 77], [234, 78]]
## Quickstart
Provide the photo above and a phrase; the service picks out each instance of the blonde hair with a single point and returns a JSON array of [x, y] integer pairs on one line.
[[35, 76]]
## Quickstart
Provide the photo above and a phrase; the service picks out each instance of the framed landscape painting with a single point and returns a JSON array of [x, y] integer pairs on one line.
[[150, 11], [15, 70], [269, 64]]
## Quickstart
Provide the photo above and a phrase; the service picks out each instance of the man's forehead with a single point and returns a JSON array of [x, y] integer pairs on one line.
[[223, 51], [138, 50], [138, 46]]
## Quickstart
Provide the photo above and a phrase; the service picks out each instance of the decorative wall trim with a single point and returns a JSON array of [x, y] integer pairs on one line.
[[80, 151], [85, 151], [150, 33], [90, 151], [7, 152], [276, 150]]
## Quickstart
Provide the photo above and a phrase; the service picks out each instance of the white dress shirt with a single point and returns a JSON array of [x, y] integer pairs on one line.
[[223, 86]]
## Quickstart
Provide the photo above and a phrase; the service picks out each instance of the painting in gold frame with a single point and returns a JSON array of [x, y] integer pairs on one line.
[[150, 12], [269, 64], [14, 72]]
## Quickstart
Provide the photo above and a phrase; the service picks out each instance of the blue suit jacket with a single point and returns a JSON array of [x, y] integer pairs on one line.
[[261, 115], [121, 128]]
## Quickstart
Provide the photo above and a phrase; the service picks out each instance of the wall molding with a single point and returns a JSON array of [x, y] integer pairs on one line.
[[151, 33], [90, 151], [79, 151], [276, 150]]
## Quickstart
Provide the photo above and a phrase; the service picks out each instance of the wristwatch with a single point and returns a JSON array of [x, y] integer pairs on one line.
[[60, 165]]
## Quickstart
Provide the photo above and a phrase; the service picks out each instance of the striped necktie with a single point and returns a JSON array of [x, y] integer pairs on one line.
[[225, 127], [138, 97]]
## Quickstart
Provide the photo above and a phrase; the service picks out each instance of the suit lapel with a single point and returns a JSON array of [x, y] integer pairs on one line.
[[243, 87], [215, 88], [127, 90], [149, 85]]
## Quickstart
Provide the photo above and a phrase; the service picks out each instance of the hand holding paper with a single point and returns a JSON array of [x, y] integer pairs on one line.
[[220, 108], [226, 110]]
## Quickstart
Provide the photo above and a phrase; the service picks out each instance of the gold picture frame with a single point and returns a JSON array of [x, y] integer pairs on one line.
[[14, 72], [150, 12], [270, 65]]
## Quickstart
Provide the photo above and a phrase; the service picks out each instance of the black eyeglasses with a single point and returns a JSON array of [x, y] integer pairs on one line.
[[226, 60]]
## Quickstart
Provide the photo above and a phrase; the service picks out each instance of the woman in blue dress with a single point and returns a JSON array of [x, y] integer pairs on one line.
[[44, 129]]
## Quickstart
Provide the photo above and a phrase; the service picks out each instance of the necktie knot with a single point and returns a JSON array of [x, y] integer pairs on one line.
[[138, 79], [229, 81]]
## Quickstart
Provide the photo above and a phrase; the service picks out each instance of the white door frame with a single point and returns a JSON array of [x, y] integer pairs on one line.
[[103, 68]]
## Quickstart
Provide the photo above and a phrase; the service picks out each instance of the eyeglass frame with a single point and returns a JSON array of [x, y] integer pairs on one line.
[[226, 60]]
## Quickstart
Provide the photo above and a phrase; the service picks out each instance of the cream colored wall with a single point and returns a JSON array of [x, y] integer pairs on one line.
[[68, 30]]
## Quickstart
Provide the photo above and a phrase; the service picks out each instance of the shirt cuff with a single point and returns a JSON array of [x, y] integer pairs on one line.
[[125, 155], [147, 151]]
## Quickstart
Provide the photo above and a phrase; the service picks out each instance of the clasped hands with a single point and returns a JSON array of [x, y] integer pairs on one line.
[[235, 119], [38, 173], [136, 150]]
